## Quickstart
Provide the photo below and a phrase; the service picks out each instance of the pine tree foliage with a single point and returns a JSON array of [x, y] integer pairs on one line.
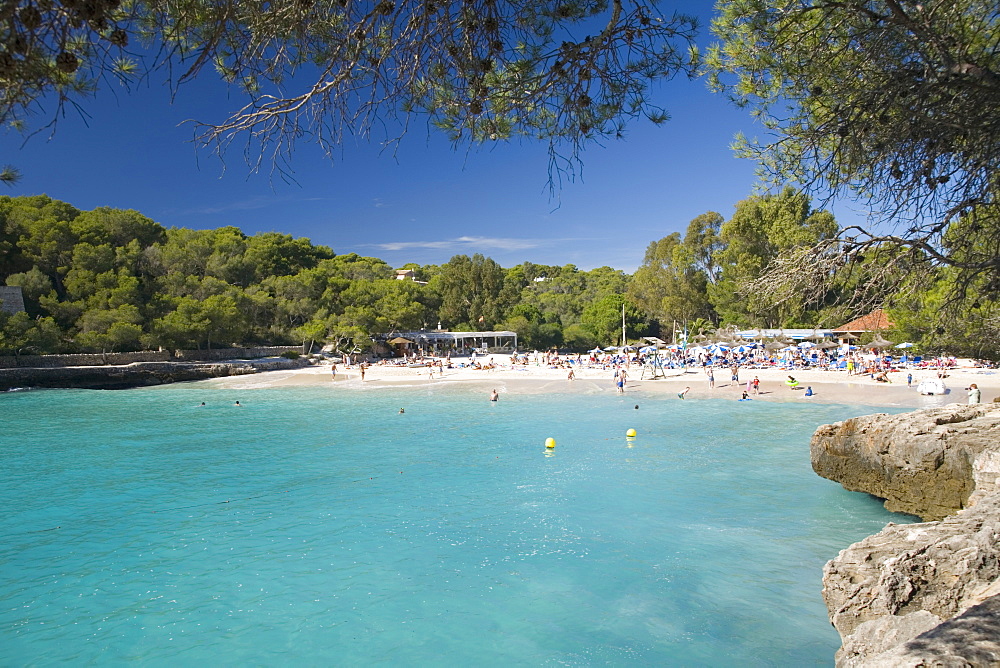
[[890, 101], [563, 71]]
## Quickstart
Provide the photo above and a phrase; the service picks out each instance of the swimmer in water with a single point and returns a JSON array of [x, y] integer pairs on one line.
[[494, 396], [401, 411]]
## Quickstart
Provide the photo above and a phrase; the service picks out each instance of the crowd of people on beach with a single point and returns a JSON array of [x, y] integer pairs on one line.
[[623, 363]]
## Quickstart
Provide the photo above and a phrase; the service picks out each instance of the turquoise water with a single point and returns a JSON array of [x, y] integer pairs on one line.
[[318, 527]]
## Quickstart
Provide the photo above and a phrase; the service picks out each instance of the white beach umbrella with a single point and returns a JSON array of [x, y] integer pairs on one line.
[[647, 349], [595, 351], [905, 344], [807, 344], [611, 349]]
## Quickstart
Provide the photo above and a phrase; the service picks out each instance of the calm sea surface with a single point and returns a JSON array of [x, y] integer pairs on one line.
[[319, 527]]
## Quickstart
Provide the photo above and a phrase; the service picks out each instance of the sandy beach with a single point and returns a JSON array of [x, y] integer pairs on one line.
[[827, 386]]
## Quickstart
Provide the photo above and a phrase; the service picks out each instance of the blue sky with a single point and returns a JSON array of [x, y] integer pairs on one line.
[[424, 204]]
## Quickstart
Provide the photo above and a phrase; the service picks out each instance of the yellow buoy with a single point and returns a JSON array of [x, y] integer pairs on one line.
[[630, 433], [550, 442]]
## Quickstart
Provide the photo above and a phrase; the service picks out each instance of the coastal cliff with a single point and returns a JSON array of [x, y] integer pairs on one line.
[[138, 374], [929, 593]]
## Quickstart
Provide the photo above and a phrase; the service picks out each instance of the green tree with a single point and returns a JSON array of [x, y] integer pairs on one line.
[[668, 285], [760, 230], [20, 333], [34, 284], [110, 330], [473, 293], [890, 101], [604, 319]]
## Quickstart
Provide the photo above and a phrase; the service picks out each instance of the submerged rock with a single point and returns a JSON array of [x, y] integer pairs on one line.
[[919, 594]]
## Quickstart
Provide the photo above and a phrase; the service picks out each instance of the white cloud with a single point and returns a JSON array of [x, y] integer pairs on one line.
[[463, 243], [248, 205]]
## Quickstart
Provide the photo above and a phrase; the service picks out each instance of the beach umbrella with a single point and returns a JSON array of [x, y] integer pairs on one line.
[[807, 344], [775, 345], [611, 349], [399, 339], [879, 343], [627, 349], [647, 349], [674, 346], [826, 345], [595, 351], [905, 344]]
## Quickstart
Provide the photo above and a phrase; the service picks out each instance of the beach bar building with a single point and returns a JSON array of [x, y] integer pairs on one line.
[[875, 322], [440, 342], [801, 334]]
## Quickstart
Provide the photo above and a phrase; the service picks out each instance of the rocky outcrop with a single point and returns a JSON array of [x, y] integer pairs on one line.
[[900, 584], [919, 594], [926, 463], [139, 374]]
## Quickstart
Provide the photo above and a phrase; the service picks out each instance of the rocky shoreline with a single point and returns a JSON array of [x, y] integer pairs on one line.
[[929, 593], [137, 374]]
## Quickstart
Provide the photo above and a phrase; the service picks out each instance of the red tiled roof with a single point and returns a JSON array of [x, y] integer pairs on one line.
[[876, 321]]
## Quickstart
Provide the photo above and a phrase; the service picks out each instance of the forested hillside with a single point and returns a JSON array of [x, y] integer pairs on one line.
[[112, 280]]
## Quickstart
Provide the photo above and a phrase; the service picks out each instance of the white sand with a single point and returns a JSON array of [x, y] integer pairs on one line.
[[828, 386]]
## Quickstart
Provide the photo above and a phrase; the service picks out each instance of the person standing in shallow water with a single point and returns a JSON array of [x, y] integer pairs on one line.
[[975, 396], [494, 396]]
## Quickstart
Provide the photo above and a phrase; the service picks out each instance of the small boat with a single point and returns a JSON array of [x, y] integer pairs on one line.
[[932, 386]]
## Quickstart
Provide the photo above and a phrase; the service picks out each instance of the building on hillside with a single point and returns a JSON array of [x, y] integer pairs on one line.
[[11, 299], [408, 275], [875, 322]]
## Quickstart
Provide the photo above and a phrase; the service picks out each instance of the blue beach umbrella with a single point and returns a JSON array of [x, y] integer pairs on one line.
[[906, 344]]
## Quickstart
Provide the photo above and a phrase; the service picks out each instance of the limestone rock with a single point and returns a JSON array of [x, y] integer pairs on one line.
[[941, 567], [920, 594], [971, 639], [928, 463]]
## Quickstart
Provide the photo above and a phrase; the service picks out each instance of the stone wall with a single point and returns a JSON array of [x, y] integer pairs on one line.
[[103, 359], [234, 353], [11, 299]]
